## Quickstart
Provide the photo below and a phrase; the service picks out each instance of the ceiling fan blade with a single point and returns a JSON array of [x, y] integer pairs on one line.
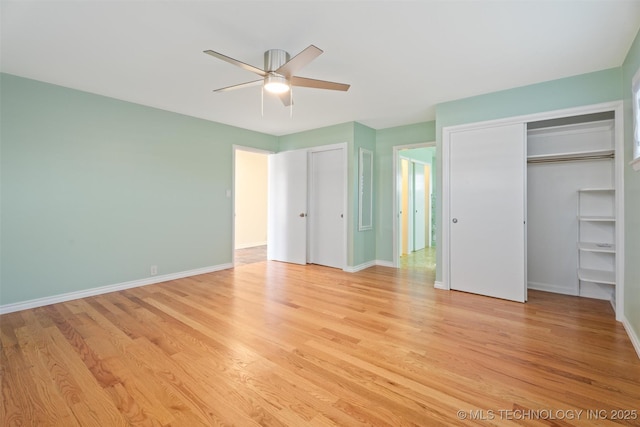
[[235, 62], [286, 98], [240, 86], [289, 68], [318, 84]]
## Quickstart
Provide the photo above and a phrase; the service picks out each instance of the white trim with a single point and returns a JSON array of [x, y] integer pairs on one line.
[[635, 340], [251, 149], [439, 285], [396, 181], [635, 131], [617, 107], [365, 224], [359, 267], [545, 287], [235, 148], [54, 299], [383, 263], [618, 304]]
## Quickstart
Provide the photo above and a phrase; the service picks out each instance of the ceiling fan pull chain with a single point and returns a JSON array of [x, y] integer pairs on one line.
[[262, 102], [291, 103]]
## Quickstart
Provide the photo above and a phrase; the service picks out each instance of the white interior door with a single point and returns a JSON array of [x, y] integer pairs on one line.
[[487, 211], [326, 210], [419, 207], [287, 213]]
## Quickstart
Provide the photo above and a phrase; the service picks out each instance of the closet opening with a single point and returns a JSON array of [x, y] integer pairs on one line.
[[571, 206]]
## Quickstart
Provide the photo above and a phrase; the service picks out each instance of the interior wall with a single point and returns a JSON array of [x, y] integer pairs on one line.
[[364, 242], [95, 190], [251, 190], [386, 140], [631, 199]]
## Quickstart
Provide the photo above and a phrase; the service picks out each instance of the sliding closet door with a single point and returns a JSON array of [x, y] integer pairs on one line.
[[487, 211]]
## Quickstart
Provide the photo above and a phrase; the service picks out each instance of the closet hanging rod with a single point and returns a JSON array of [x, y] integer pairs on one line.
[[577, 158]]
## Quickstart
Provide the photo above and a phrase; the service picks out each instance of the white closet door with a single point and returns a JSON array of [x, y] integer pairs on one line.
[[419, 208], [326, 210], [287, 215], [487, 211]]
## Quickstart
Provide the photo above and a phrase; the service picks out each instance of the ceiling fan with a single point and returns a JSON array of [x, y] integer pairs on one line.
[[278, 73]]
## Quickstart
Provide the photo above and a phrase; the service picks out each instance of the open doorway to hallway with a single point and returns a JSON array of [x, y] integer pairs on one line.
[[416, 207], [250, 205]]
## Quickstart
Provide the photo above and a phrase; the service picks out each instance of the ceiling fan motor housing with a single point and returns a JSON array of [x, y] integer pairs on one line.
[[274, 59]]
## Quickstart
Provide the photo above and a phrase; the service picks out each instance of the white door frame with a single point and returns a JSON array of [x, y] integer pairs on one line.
[[232, 192], [397, 180], [617, 108], [413, 211], [345, 174]]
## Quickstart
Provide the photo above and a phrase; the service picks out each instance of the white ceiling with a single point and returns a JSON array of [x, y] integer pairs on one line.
[[401, 58]]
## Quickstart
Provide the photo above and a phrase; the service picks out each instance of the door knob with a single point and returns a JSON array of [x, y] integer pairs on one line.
[[455, 220], [302, 215]]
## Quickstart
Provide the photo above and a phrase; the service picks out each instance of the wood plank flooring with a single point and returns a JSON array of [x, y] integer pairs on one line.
[[250, 255], [284, 345]]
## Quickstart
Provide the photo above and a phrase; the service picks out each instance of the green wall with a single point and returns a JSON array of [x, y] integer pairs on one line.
[[96, 190], [386, 139], [313, 138], [584, 89], [631, 197], [364, 241]]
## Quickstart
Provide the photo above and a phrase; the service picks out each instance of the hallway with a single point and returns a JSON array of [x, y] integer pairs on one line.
[[422, 260]]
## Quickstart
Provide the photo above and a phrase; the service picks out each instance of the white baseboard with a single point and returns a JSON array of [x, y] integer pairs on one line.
[[439, 285], [635, 340], [537, 286], [382, 263], [251, 245], [359, 267], [40, 302], [356, 268]]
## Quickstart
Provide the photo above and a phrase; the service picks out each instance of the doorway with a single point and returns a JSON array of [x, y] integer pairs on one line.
[[415, 206], [250, 205]]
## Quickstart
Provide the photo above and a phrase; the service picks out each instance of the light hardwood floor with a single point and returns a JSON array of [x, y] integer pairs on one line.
[[276, 344]]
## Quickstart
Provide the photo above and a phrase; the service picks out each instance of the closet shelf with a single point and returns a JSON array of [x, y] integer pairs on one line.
[[597, 276], [574, 155], [596, 218], [609, 248]]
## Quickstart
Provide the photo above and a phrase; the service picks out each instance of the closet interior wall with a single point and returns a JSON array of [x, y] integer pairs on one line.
[[564, 158]]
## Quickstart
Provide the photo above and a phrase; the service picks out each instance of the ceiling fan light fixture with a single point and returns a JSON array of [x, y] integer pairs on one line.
[[276, 84]]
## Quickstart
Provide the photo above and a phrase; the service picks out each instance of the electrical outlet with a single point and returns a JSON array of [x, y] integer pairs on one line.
[[154, 270]]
